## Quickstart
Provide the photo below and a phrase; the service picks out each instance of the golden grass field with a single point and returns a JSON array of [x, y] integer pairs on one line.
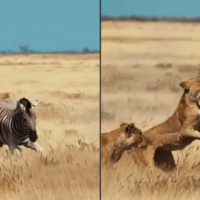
[[67, 124], [142, 64]]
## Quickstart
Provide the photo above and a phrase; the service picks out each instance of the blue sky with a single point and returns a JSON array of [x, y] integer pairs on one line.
[[49, 25], [148, 8]]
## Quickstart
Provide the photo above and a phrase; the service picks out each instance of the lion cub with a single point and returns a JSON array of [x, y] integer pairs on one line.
[[114, 143]]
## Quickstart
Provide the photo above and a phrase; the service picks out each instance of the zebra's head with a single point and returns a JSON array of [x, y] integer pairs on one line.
[[29, 118]]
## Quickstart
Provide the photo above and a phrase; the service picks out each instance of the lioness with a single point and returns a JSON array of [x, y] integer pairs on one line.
[[114, 143], [4, 95], [178, 131]]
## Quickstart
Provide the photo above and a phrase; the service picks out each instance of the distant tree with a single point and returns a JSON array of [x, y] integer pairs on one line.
[[86, 50], [24, 48]]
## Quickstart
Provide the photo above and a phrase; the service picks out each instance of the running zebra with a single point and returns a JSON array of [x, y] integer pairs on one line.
[[18, 125]]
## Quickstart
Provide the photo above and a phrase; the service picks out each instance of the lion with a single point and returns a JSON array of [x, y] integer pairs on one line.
[[115, 142], [4, 95], [177, 132]]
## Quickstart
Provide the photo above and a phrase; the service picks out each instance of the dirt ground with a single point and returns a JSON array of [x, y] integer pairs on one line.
[[142, 64], [67, 87]]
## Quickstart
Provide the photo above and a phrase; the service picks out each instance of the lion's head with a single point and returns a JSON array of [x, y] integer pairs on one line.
[[192, 88], [132, 136]]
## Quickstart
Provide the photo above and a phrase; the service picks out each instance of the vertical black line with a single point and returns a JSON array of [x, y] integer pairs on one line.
[[100, 106]]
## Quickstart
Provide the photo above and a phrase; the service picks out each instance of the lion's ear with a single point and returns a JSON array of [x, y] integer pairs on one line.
[[185, 85], [123, 123], [130, 128]]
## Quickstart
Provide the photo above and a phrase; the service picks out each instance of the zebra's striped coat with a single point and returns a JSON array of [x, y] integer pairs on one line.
[[18, 125]]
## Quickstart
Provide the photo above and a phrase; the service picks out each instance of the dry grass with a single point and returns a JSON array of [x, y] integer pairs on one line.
[[67, 124], [142, 65]]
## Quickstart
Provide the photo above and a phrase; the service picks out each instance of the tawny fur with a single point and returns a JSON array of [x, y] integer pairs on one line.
[[114, 143], [4, 95], [177, 132]]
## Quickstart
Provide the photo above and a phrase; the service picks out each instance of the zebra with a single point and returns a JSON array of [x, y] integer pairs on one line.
[[18, 125]]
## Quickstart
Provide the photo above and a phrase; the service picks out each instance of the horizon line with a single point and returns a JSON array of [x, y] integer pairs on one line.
[[143, 18], [51, 52]]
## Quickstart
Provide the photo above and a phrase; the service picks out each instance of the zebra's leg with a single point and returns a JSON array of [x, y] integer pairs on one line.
[[1, 144], [14, 148], [34, 145]]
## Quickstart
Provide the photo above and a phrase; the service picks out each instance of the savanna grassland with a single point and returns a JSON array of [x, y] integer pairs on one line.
[[142, 64], [67, 87]]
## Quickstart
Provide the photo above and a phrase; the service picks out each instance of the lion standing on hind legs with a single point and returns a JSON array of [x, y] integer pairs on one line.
[[177, 132]]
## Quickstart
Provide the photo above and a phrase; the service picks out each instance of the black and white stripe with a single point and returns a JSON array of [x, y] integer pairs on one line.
[[18, 124]]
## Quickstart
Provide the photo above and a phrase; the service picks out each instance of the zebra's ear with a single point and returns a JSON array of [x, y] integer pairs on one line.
[[35, 104], [22, 107], [26, 103]]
